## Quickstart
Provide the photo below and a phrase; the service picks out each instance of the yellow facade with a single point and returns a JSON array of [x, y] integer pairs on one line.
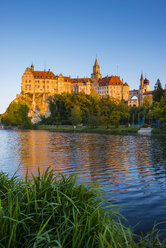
[[46, 82], [113, 87], [39, 82], [109, 86]]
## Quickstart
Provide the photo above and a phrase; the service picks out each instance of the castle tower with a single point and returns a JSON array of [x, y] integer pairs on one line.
[[141, 82], [146, 85], [141, 90], [96, 71], [32, 67]]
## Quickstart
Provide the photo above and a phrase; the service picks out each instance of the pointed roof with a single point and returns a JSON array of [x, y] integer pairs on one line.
[[141, 76], [96, 62]]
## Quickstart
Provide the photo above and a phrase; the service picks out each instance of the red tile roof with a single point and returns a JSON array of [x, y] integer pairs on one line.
[[113, 80], [81, 80], [44, 74]]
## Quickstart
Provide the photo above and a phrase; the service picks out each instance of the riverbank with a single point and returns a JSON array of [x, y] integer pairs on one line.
[[159, 131], [84, 129], [47, 211]]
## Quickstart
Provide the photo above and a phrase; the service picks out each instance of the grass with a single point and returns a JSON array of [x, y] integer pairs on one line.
[[85, 129], [46, 211], [159, 131]]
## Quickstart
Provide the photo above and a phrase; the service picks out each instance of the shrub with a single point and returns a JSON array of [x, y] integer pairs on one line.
[[145, 125]]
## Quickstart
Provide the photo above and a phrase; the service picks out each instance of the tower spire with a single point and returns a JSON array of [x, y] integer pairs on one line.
[[96, 70]]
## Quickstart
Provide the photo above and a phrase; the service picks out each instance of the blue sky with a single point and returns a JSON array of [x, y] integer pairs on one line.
[[66, 35]]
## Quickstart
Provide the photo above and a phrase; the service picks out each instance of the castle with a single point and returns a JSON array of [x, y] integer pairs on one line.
[[47, 83]]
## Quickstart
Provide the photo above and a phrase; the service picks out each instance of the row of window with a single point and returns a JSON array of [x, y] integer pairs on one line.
[[111, 92], [111, 87]]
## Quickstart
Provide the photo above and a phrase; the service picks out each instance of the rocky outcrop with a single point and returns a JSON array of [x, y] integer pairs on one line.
[[37, 103]]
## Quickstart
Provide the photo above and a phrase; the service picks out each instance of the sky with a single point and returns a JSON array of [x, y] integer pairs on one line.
[[127, 36]]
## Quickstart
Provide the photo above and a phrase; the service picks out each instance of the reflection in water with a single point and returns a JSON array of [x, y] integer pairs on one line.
[[131, 169]]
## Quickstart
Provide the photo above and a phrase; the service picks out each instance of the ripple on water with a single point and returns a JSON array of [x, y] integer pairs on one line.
[[131, 169]]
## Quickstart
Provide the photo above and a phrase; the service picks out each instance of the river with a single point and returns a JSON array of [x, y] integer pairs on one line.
[[131, 169]]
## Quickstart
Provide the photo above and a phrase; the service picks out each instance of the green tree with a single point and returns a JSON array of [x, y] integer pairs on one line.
[[160, 110], [107, 105], [115, 118], [93, 121], [158, 91], [16, 115], [76, 115]]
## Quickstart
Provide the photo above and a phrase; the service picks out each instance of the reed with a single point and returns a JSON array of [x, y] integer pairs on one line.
[[49, 211]]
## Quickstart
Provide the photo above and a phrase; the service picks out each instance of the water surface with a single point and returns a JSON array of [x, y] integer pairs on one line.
[[131, 169]]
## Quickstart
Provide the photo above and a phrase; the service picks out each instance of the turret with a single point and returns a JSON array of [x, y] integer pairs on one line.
[[96, 71], [32, 67]]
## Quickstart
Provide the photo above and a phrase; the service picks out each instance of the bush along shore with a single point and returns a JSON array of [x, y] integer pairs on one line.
[[49, 211]]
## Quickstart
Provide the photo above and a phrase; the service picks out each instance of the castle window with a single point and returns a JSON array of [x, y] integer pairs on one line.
[[29, 81], [48, 82], [47, 87]]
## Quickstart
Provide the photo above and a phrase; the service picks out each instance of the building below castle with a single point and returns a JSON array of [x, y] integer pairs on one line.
[[46, 82], [137, 97]]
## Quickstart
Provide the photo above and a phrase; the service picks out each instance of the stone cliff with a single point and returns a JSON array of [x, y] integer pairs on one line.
[[37, 103]]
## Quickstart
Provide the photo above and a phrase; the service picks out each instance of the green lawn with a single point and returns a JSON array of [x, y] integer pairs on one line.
[[100, 129]]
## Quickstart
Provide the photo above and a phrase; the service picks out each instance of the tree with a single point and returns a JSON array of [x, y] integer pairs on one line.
[[147, 101], [115, 118], [16, 115], [76, 115], [160, 110], [93, 121], [107, 105], [158, 91]]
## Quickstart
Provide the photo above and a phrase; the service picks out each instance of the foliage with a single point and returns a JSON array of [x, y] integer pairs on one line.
[[16, 115], [48, 211], [92, 111], [145, 125], [115, 118], [158, 91], [93, 121], [160, 110], [147, 101], [75, 115]]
